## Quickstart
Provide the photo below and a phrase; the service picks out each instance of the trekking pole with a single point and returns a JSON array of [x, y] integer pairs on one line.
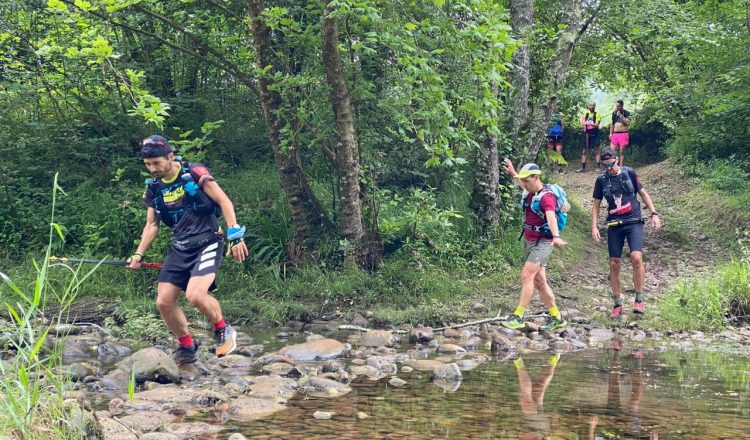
[[105, 262]]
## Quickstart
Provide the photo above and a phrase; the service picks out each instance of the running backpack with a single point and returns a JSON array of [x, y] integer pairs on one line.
[[562, 206], [555, 130]]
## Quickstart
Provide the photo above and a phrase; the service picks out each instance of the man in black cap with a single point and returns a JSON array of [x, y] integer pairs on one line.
[[186, 198]]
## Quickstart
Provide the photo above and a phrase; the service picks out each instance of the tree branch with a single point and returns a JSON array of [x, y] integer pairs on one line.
[[588, 22], [226, 67]]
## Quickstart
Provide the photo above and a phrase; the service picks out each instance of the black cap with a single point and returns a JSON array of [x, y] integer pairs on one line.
[[155, 146]]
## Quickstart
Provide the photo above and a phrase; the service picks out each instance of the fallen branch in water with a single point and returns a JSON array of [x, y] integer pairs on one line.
[[365, 329], [440, 329], [482, 321]]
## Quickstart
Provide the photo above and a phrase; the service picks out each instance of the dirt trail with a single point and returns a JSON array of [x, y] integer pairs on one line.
[[677, 251]]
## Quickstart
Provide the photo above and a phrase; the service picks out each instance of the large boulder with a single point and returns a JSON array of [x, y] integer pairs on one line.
[[273, 387], [145, 421], [315, 350], [151, 364]]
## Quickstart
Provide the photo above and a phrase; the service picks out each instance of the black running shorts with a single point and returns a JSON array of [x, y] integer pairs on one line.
[[181, 265], [616, 236]]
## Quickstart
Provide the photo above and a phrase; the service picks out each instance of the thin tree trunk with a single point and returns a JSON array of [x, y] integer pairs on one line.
[[347, 150], [571, 18], [521, 19], [307, 213], [485, 200]]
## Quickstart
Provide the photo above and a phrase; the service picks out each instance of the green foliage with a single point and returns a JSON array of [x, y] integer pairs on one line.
[[139, 325], [713, 302], [31, 390]]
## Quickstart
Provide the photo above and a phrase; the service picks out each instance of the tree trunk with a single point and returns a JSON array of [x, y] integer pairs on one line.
[[485, 200], [571, 17], [521, 18], [307, 213], [347, 150]]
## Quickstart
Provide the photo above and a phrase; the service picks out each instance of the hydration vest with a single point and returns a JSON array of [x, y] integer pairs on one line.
[[194, 198], [625, 182]]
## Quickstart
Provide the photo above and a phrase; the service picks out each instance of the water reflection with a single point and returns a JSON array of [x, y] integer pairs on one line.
[[627, 417], [616, 393], [534, 423]]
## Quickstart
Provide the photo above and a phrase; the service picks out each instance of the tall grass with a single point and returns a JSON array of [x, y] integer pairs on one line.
[[31, 389], [714, 302]]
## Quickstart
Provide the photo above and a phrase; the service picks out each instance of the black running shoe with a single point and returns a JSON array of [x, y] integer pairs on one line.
[[186, 355]]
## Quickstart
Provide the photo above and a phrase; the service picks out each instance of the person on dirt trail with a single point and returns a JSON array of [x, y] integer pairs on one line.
[[535, 425], [619, 138], [540, 233], [186, 198], [621, 186], [590, 122], [555, 136]]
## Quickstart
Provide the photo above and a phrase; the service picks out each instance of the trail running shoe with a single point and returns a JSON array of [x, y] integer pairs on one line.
[[616, 312], [186, 355], [513, 323], [226, 340], [581, 170], [638, 307], [553, 324]]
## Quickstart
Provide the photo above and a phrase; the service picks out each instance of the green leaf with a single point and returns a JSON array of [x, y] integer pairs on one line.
[[439, 3]]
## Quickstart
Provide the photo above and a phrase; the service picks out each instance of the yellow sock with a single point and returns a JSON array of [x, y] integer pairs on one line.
[[553, 312], [553, 360], [519, 311], [518, 363]]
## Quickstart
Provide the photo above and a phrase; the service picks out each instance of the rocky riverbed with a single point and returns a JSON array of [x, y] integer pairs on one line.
[[311, 361]]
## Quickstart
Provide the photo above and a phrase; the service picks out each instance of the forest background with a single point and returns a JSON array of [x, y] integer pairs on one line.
[[359, 140]]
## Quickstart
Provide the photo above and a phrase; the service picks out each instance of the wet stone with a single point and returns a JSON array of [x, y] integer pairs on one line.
[[425, 365], [396, 382], [159, 436], [321, 387], [377, 338], [448, 372], [192, 429], [252, 350], [322, 349], [322, 415], [252, 408], [450, 349], [421, 335]]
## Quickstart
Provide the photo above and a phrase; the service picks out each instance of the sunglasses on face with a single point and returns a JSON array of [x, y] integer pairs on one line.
[[609, 164]]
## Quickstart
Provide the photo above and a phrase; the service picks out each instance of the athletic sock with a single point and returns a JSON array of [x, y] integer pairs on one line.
[[219, 325], [553, 312], [553, 360], [519, 311], [618, 299], [638, 296], [186, 341]]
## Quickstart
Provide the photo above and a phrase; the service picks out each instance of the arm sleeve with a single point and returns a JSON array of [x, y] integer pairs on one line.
[[598, 190], [201, 174], [548, 202]]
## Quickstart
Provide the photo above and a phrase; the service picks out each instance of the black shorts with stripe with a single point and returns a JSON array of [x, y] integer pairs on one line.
[[181, 265]]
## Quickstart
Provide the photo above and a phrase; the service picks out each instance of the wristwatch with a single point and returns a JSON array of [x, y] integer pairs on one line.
[[654, 213], [555, 235]]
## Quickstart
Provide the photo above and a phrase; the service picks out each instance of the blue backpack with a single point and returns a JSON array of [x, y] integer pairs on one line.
[[562, 206], [555, 130]]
